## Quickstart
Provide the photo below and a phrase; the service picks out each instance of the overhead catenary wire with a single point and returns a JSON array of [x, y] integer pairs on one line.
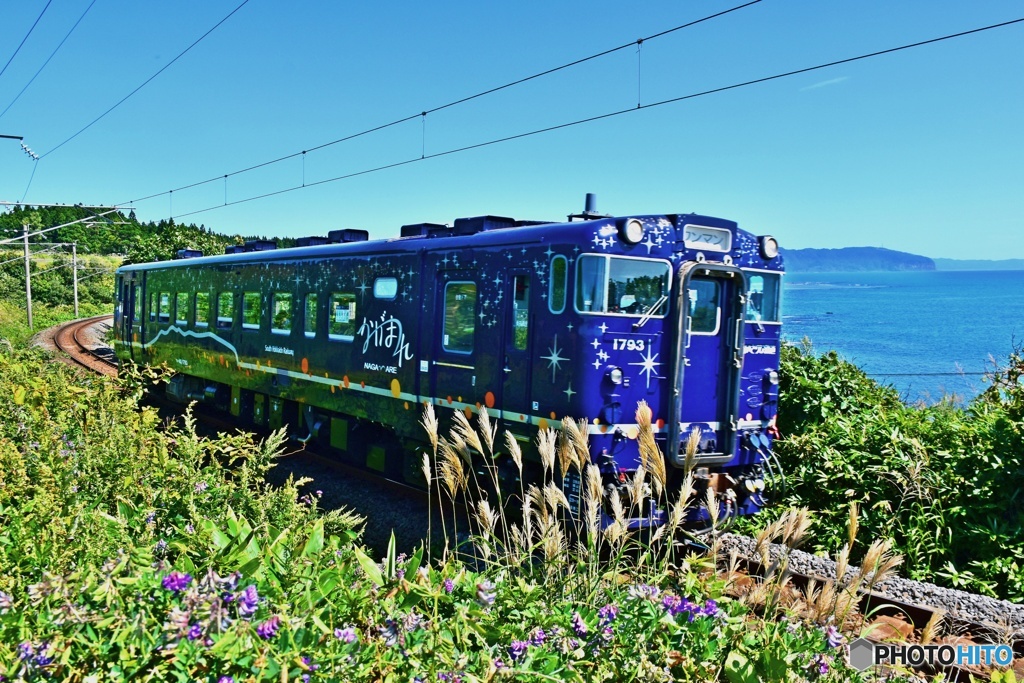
[[600, 117], [423, 113], [32, 28], [147, 81], [55, 50]]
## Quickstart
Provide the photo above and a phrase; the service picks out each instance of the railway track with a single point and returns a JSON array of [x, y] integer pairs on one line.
[[899, 609], [71, 339]]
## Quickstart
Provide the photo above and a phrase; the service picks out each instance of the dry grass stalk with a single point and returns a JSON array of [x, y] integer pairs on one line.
[[429, 423], [636, 488], [425, 468], [650, 455], [592, 479], [931, 629], [795, 530], [577, 431], [555, 497], [854, 524], [711, 504], [677, 514], [842, 565], [485, 516], [487, 431], [546, 439], [692, 444], [452, 471], [466, 433], [535, 502], [879, 563], [566, 451], [514, 451]]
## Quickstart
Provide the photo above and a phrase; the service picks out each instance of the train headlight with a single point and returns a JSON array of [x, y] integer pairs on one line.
[[769, 247], [632, 231], [615, 375]]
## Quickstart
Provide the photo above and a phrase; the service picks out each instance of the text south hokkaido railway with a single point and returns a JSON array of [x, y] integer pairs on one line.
[[343, 340]]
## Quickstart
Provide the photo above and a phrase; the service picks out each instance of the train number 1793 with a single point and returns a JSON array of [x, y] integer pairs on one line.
[[627, 344]]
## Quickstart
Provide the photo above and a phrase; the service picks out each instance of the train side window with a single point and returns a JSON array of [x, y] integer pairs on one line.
[[559, 279], [342, 316], [459, 317], [137, 294], [310, 317], [165, 307], [251, 310], [225, 310], [763, 297], [152, 306], [705, 311], [281, 313], [591, 284], [521, 311], [385, 288], [202, 309], [181, 309]]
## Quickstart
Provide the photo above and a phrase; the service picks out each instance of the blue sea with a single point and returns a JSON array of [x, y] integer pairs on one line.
[[926, 333]]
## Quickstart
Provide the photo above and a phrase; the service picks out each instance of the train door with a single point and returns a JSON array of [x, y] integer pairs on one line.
[[465, 372], [710, 308], [517, 346], [133, 330]]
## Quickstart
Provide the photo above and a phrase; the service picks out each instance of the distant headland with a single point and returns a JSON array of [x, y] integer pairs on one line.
[[859, 259], [853, 259]]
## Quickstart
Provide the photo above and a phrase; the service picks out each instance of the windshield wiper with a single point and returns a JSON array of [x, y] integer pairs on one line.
[[650, 312]]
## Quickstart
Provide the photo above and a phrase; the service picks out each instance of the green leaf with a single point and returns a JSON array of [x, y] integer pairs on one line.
[[738, 669], [369, 566], [316, 540]]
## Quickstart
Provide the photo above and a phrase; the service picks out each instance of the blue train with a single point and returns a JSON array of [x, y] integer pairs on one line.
[[344, 339]]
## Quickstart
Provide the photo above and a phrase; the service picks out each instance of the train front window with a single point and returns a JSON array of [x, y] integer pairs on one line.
[[459, 317], [251, 310], [137, 297], [622, 286], [763, 297], [281, 313], [704, 313]]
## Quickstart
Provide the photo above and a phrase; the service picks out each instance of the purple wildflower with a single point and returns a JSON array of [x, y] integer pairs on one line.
[[538, 637], [820, 663], [177, 581], [151, 518], [607, 614], [645, 592], [309, 664], [346, 635], [226, 679], [6, 602], [710, 608], [578, 625], [517, 649], [485, 593], [389, 633], [268, 629], [160, 547], [834, 637], [200, 486], [671, 604], [449, 585], [195, 631], [498, 664], [248, 601], [25, 650]]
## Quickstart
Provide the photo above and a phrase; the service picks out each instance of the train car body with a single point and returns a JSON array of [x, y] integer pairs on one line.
[[534, 321]]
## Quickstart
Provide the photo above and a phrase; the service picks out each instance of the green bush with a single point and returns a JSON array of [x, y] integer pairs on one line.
[[941, 480]]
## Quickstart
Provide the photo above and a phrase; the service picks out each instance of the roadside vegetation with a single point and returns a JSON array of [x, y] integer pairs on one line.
[[132, 549], [943, 481]]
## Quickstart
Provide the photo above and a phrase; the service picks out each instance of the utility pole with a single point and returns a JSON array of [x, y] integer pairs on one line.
[[28, 276], [74, 273]]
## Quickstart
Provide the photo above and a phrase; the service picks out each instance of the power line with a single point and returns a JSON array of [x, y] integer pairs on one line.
[[603, 116], [61, 44], [25, 38], [146, 82], [454, 103]]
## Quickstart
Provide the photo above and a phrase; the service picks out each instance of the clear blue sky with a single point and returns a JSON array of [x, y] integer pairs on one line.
[[921, 150]]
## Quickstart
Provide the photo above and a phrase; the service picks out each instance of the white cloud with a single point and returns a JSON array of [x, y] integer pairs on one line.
[[823, 84]]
